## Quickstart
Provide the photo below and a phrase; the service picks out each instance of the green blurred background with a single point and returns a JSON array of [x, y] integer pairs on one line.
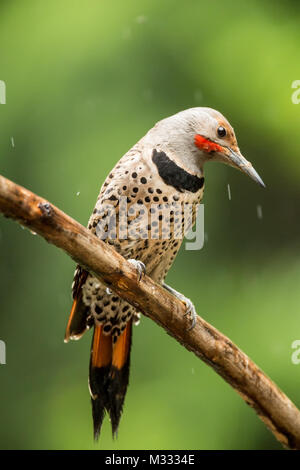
[[85, 80]]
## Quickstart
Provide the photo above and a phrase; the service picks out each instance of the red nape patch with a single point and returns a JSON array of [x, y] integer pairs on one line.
[[206, 145]]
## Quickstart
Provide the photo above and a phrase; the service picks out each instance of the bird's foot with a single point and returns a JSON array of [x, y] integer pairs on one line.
[[190, 309], [140, 267]]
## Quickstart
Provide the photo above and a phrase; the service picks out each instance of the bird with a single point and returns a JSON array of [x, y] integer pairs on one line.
[[164, 169]]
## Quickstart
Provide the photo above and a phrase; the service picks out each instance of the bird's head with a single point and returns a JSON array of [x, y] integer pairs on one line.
[[198, 135]]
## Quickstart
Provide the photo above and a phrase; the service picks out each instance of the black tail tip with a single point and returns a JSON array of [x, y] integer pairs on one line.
[[98, 412]]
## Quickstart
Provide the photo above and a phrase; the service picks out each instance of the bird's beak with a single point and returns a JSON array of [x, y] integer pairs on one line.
[[237, 160]]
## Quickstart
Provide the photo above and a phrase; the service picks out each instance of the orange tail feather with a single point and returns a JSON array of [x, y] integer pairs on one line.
[[109, 375]]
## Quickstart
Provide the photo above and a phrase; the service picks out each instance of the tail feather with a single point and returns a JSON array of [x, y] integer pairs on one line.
[[109, 376], [99, 384], [78, 319]]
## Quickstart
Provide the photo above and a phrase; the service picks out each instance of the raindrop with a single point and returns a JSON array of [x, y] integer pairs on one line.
[[259, 212], [78, 192], [141, 19], [198, 96], [229, 191], [126, 33], [12, 141], [148, 94]]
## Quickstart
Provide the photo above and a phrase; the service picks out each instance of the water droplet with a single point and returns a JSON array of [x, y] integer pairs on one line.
[[78, 192], [259, 212], [229, 191], [32, 232], [126, 33], [12, 141], [198, 97], [148, 94], [141, 19]]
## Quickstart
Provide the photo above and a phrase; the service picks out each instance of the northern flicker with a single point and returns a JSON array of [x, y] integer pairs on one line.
[[164, 168]]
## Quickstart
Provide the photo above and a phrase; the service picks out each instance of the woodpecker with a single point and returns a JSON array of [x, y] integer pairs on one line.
[[165, 167]]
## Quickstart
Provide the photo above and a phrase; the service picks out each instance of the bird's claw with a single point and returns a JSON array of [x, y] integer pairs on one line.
[[190, 313], [190, 309], [140, 267]]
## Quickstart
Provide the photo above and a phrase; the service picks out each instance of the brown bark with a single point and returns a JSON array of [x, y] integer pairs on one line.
[[278, 413]]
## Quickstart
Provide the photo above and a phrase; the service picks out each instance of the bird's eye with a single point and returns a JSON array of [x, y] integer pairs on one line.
[[221, 131]]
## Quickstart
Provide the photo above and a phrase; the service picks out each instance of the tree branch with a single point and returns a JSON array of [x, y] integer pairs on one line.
[[278, 413]]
